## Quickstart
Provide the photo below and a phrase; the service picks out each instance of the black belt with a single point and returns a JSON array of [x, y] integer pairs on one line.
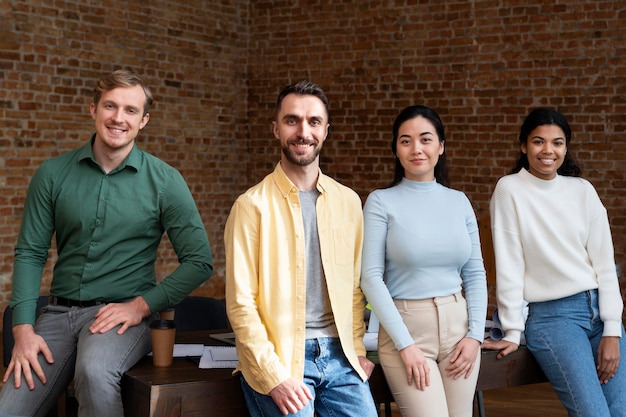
[[60, 301]]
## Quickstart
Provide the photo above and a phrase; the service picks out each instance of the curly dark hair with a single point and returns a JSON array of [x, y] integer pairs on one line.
[[546, 116]]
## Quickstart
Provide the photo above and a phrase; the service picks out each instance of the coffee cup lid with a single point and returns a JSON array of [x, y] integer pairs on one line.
[[163, 324]]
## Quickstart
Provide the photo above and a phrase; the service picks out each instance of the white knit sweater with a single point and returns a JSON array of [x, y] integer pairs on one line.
[[551, 239]]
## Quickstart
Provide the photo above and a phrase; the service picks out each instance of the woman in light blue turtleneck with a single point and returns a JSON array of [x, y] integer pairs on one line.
[[421, 249]]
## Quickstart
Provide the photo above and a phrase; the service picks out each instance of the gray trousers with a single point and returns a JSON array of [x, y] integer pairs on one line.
[[96, 363]]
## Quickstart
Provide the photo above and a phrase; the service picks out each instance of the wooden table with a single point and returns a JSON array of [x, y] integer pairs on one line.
[[184, 390], [517, 368]]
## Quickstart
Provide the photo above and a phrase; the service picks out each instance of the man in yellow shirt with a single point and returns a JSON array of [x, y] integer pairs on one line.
[[293, 262]]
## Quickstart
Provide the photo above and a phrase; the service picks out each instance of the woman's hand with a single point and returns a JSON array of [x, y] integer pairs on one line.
[[416, 366], [608, 358], [463, 358], [504, 346]]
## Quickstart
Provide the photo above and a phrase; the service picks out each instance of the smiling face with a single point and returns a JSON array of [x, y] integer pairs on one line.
[[301, 126], [545, 148], [118, 117], [418, 149]]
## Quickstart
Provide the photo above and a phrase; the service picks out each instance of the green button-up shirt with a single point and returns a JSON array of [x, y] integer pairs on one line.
[[108, 229]]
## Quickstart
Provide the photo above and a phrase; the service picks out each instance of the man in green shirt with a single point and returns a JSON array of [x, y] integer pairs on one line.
[[108, 204]]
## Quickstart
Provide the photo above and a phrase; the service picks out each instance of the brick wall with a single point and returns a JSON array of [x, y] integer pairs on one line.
[[481, 64], [192, 55], [216, 67]]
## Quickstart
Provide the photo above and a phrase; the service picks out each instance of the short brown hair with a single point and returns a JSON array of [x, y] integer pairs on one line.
[[302, 88], [122, 78]]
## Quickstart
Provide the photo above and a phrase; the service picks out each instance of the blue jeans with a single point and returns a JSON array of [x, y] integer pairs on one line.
[[336, 387], [96, 362], [563, 335]]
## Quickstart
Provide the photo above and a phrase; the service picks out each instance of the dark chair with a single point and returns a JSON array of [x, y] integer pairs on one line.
[[8, 342], [200, 313]]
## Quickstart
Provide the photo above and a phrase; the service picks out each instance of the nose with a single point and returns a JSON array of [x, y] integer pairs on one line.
[[117, 115], [417, 148], [547, 148], [304, 131]]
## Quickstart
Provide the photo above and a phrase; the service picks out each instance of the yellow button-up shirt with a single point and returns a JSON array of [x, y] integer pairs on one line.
[[266, 281]]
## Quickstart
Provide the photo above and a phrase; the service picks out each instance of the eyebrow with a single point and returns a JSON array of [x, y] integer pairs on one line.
[[421, 134], [295, 116], [543, 138]]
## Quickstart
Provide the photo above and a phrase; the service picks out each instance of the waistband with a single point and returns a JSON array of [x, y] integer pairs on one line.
[[425, 302], [65, 302]]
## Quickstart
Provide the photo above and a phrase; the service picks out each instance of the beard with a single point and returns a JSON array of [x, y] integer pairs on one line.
[[301, 160]]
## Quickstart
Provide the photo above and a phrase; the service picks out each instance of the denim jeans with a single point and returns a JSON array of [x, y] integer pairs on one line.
[[336, 387], [96, 362], [564, 335]]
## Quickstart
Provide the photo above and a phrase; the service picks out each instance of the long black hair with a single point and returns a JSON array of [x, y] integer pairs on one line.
[[411, 112], [546, 116]]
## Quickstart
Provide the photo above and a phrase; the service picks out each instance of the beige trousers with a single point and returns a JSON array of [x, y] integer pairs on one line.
[[437, 325]]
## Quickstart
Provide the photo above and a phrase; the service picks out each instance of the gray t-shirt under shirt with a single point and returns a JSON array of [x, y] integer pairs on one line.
[[319, 316]]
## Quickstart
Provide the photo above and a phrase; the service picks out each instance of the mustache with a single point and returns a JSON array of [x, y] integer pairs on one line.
[[303, 142]]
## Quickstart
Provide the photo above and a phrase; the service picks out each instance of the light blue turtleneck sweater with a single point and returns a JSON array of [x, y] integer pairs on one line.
[[421, 241]]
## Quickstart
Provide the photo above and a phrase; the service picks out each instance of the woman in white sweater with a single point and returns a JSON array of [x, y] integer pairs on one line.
[[553, 249]]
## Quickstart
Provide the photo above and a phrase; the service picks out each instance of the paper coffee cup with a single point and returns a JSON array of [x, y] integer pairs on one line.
[[163, 333], [167, 314]]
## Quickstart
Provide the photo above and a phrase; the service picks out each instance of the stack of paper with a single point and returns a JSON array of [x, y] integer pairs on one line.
[[218, 357]]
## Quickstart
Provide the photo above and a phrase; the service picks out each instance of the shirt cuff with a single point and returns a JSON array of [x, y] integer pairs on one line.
[[513, 336], [612, 328]]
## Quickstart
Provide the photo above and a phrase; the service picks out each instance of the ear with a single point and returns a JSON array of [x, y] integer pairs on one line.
[[523, 148], [442, 147], [144, 121], [275, 129], [92, 110]]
